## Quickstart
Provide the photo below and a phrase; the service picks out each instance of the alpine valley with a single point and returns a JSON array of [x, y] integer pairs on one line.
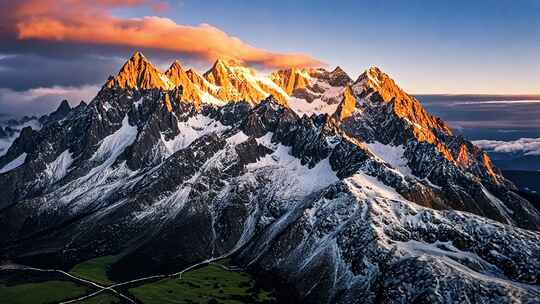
[[328, 189]]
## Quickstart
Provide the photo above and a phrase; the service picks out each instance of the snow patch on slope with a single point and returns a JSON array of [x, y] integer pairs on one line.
[[289, 174], [195, 127], [113, 145], [56, 170], [326, 102], [92, 188], [237, 138], [107, 106], [331, 94], [169, 206], [392, 155], [102, 180], [364, 187], [389, 213], [17, 162], [318, 106]]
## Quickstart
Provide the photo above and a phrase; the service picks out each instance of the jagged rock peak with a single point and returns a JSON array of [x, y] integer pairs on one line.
[[377, 79], [218, 74], [64, 107], [339, 70], [228, 80], [137, 55], [175, 66], [338, 77], [228, 62], [191, 91], [61, 112], [223, 70], [290, 79], [138, 73], [223, 64], [377, 87], [176, 74], [81, 104], [374, 72], [137, 60], [404, 105]]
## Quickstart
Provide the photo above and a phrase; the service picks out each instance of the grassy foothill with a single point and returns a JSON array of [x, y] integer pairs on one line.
[[209, 284], [40, 293], [95, 269], [214, 283]]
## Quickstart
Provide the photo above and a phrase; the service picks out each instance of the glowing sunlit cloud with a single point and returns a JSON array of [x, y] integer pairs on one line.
[[85, 23]]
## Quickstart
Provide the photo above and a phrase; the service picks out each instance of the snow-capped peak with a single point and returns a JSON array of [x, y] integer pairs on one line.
[[234, 82], [139, 73], [176, 65]]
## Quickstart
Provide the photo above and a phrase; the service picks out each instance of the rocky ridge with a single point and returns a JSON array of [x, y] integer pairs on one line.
[[349, 191]]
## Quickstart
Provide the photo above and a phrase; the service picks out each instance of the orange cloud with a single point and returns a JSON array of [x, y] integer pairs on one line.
[[81, 22]]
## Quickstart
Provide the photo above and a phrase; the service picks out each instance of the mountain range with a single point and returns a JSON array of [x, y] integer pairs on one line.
[[345, 191]]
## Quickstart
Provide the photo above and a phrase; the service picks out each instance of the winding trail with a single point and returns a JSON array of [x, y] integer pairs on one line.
[[148, 278], [76, 278], [102, 288]]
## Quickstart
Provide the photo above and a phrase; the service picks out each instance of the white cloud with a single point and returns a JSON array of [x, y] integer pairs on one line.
[[525, 146], [42, 100]]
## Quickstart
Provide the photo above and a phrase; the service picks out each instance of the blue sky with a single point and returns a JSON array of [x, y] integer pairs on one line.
[[429, 46]]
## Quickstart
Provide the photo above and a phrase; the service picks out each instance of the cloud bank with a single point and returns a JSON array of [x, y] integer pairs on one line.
[[42, 100], [24, 72], [525, 146]]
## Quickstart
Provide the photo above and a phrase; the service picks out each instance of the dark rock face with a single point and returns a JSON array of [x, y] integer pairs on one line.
[[60, 113], [365, 209], [338, 78]]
